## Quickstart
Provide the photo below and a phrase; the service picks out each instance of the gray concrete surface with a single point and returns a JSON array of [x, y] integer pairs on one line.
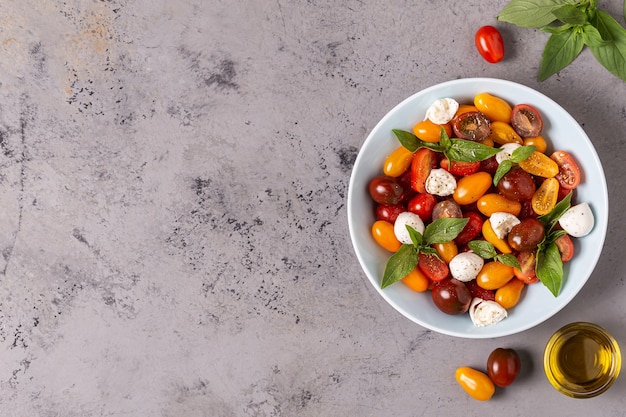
[[173, 229]]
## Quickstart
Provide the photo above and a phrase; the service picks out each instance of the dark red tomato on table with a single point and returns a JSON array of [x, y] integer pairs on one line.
[[423, 162], [386, 190], [517, 185], [503, 366], [389, 212], [451, 296], [526, 121], [569, 172], [434, 268], [423, 205], [489, 44]]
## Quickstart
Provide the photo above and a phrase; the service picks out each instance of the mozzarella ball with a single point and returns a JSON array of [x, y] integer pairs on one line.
[[404, 219], [465, 266], [506, 150], [578, 220], [442, 110], [502, 223], [440, 182]]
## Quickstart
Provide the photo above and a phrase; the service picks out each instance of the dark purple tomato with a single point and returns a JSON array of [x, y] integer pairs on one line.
[[451, 296], [489, 165], [472, 125], [480, 292], [389, 212], [386, 190], [526, 121], [503, 366], [517, 185], [446, 209], [526, 235]]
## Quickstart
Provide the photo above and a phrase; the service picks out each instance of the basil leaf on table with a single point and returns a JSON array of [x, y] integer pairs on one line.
[[570, 14], [612, 54], [530, 13], [561, 49], [549, 268]]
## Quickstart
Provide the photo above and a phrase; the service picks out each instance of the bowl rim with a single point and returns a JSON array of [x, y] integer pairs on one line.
[[601, 222]]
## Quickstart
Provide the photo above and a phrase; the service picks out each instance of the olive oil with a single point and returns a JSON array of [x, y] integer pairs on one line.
[[582, 360]]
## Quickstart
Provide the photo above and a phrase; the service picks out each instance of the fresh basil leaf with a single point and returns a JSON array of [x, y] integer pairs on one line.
[[550, 219], [482, 248], [591, 36], [399, 265], [551, 237], [416, 237], [412, 142], [530, 13], [469, 151], [611, 55], [444, 230], [428, 250], [503, 167], [508, 259], [556, 29], [560, 50], [522, 153], [569, 13], [549, 268], [444, 140]]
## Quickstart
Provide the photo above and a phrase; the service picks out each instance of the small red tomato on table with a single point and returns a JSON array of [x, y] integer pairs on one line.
[[489, 44]]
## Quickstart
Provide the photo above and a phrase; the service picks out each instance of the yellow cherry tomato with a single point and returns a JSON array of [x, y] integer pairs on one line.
[[477, 384], [538, 142], [398, 162], [546, 196], [494, 275], [502, 133], [490, 236], [416, 280], [493, 202], [471, 187], [495, 108], [540, 165], [384, 235], [446, 251], [429, 131], [465, 108], [509, 295]]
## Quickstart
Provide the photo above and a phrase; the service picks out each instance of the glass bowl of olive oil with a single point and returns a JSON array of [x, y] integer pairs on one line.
[[582, 360]]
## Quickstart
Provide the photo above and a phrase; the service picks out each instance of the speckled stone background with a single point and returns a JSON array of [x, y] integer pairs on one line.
[[173, 182]]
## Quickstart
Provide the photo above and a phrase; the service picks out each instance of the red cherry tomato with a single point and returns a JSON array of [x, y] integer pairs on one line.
[[526, 121], [566, 247], [434, 268], [480, 292], [472, 229], [503, 366], [389, 212], [423, 205], [489, 44], [569, 172], [423, 162], [527, 261], [459, 168]]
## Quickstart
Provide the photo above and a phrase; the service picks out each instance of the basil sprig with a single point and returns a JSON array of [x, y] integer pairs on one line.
[[401, 263], [571, 25], [517, 156], [454, 149], [549, 267], [486, 250]]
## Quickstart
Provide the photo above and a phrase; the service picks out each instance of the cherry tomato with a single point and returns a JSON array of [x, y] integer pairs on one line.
[[526, 120], [503, 366], [566, 247], [478, 385], [446, 251], [495, 108], [471, 229], [416, 280], [540, 165], [502, 133], [538, 142], [517, 185], [479, 292], [509, 295], [527, 261], [434, 268], [397, 162], [546, 196], [429, 131], [489, 44], [423, 205], [492, 202], [386, 190], [526, 235], [464, 108], [459, 168], [471, 126], [494, 275], [489, 165], [384, 235], [447, 209], [569, 172], [423, 162], [451, 296], [491, 237], [389, 212], [471, 187]]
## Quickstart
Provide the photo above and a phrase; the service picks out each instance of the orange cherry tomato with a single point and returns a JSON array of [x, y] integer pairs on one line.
[[540, 165], [545, 198], [538, 142], [493, 202], [383, 234], [477, 384], [495, 108], [490, 236], [502, 133], [569, 172], [397, 162], [509, 295], [416, 280], [494, 275], [429, 131], [471, 187], [446, 251], [465, 108]]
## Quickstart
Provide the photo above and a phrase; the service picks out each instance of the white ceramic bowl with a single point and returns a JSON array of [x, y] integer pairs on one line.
[[562, 133]]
